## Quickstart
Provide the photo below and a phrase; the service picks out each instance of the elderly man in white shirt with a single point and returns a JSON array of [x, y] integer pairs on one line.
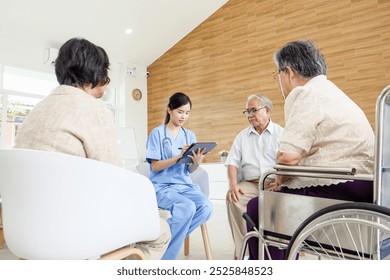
[[253, 152]]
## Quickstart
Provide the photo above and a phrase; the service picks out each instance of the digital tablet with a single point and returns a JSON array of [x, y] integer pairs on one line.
[[207, 146]]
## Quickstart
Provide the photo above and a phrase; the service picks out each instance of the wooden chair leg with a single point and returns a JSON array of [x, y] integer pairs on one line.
[[1, 230], [124, 252], [1, 237], [206, 241], [187, 246]]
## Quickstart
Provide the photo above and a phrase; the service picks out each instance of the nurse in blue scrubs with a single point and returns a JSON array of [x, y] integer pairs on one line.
[[174, 189]]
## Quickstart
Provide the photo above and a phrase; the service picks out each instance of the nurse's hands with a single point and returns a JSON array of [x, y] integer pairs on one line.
[[198, 157], [183, 150]]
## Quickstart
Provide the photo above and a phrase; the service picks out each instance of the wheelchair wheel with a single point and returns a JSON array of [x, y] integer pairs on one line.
[[343, 232]]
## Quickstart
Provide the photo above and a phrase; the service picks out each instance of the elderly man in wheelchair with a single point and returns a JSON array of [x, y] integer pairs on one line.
[[324, 128]]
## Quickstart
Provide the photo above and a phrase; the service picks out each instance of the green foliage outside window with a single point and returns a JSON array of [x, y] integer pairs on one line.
[[15, 108]]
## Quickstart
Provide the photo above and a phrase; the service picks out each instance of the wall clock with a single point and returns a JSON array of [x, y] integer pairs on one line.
[[137, 94]]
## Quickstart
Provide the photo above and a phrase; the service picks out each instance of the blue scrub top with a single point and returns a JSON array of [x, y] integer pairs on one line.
[[162, 145]]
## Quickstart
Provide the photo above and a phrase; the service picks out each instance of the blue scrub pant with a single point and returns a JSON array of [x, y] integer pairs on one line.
[[189, 209]]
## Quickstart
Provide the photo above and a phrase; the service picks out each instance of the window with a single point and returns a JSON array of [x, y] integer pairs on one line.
[[110, 99], [20, 91]]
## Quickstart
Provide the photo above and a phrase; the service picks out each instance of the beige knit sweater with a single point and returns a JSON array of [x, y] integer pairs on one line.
[[73, 122]]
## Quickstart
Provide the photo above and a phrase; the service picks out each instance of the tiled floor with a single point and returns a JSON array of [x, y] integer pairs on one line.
[[221, 242]]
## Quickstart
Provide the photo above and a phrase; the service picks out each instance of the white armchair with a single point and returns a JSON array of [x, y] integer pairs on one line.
[[58, 206]]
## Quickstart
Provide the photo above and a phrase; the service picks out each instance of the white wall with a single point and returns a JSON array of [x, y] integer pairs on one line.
[[24, 54], [136, 111]]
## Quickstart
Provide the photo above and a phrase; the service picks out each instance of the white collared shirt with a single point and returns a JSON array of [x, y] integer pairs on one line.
[[255, 153]]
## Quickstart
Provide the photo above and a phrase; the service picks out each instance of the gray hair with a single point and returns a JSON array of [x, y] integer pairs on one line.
[[303, 57], [263, 100]]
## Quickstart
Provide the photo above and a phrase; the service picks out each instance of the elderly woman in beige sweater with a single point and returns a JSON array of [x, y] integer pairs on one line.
[[74, 121]]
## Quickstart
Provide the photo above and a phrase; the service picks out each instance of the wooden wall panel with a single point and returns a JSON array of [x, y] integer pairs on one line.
[[229, 56]]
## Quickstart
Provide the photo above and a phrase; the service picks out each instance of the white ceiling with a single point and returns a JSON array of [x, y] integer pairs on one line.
[[157, 24]]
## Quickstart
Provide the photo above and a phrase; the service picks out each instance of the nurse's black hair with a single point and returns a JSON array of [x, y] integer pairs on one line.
[[177, 100]]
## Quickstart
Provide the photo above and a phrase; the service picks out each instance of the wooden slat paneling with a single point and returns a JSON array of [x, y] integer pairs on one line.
[[229, 56]]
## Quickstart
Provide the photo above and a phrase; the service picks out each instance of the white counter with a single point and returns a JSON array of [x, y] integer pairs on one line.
[[218, 180]]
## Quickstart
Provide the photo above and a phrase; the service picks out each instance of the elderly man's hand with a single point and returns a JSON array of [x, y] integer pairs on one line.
[[234, 193]]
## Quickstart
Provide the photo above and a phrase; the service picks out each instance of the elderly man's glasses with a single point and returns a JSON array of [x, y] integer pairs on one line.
[[248, 112]]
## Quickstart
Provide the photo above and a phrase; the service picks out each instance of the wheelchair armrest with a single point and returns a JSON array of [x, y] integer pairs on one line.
[[315, 172], [313, 169]]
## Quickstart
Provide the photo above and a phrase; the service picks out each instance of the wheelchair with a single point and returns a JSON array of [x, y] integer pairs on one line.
[[329, 229]]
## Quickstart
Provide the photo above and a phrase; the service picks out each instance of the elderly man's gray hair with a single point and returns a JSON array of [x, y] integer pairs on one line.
[[264, 101]]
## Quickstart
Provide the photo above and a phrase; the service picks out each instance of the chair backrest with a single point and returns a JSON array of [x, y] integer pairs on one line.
[[58, 206], [127, 146], [199, 176]]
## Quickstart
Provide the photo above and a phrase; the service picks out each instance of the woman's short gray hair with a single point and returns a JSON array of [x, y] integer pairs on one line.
[[264, 101], [303, 57]]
